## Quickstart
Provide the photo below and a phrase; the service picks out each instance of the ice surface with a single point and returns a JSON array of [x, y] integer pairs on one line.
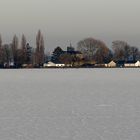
[[70, 104]]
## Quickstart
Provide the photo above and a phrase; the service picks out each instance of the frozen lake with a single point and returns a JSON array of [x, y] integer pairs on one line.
[[70, 104]]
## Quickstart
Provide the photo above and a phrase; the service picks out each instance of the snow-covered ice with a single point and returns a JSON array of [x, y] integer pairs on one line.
[[70, 104]]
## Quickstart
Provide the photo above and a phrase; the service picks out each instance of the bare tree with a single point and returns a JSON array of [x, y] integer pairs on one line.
[[123, 51], [0, 41], [23, 42], [39, 54], [23, 49], [42, 54], [38, 38], [134, 53], [1, 52], [7, 54], [15, 48], [93, 49]]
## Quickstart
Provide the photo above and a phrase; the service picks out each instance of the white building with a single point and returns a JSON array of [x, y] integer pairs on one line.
[[60, 65], [137, 64], [132, 64], [51, 64], [129, 64], [111, 64]]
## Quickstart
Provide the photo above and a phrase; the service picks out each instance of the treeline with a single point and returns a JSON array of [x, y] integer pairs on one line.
[[97, 50], [89, 50], [93, 51], [18, 53]]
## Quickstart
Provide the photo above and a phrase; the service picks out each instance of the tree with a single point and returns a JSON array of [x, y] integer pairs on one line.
[[120, 50], [23, 42], [19, 58], [0, 41], [15, 48], [134, 53], [29, 53], [1, 52], [93, 49], [23, 49], [56, 54], [66, 58], [123, 51], [7, 54], [39, 54]]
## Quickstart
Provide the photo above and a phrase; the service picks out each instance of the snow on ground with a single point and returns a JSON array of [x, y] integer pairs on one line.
[[70, 104]]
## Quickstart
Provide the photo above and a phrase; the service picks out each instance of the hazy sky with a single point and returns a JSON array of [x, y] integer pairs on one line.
[[65, 20]]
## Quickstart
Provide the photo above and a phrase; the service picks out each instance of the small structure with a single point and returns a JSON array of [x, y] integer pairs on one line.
[[72, 52], [9, 64], [24, 65], [60, 65], [49, 64], [111, 64], [137, 64], [68, 65], [100, 65], [130, 64]]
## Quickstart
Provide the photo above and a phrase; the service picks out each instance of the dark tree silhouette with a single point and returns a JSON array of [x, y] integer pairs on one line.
[[66, 58], [1, 53], [56, 54], [123, 51], [15, 48], [93, 49], [23, 49], [39, 53]]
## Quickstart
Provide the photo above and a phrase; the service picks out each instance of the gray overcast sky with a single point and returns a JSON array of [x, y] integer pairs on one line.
[[65, 20]]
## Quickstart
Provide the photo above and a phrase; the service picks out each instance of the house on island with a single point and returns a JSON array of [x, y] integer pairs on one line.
[[60, 65], [67, 58], [100, 65], [49, 64], [52, 64], [132, 64], [129, 63], [111, 64], [71, 50], [137, 64]]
